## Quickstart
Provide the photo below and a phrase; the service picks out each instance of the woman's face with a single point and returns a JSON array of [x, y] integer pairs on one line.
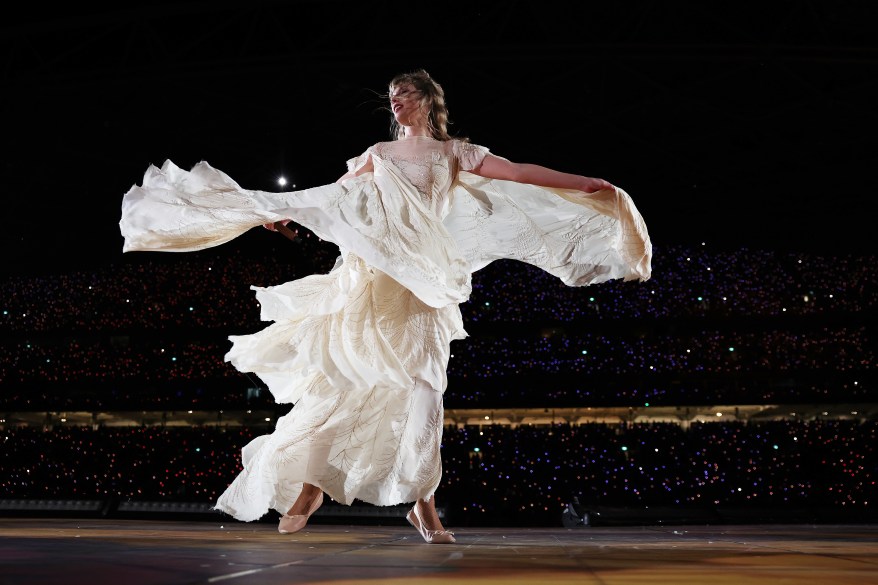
[[405, 103]]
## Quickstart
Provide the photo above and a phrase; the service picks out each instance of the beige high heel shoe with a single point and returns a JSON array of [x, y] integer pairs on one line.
[[296, 522], [431, 536]]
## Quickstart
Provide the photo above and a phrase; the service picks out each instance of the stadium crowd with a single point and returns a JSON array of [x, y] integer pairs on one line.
[[731, 327], [526, 474]]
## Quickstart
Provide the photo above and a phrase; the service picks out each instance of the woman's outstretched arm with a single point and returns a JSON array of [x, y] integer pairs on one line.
[[495, 167], [280, 226]]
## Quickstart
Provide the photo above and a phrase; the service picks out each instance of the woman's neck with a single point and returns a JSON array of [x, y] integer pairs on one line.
[[413, 131]]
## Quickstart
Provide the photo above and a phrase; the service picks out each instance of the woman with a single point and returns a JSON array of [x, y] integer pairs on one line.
[[362, 351]]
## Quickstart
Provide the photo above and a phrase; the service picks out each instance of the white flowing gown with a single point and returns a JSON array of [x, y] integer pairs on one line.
[[362, 351]]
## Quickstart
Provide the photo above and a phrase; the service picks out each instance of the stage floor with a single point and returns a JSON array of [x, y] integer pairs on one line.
[[68, 551]]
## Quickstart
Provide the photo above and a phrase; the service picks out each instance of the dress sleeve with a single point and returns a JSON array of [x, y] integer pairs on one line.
[[468, 155], [355, 163]]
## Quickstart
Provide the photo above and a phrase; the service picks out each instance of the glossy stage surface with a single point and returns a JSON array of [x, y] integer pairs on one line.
[[139, 552]]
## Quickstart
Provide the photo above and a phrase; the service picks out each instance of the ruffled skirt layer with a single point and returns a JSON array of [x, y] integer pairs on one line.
[[364, 361]]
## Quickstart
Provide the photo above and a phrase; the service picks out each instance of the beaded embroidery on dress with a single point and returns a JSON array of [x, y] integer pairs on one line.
[[362, 350]]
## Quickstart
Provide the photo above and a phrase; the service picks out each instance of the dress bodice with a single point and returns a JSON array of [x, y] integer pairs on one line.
[[430, 165]]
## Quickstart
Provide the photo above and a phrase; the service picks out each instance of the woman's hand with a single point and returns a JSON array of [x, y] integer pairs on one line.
[[273, 226], [592, 184], [281, 227]]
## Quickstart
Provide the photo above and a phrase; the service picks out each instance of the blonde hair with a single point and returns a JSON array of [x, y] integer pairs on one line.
[[432, 98]]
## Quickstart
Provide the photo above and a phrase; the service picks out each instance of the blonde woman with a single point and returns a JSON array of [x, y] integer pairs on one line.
[[362, 350]]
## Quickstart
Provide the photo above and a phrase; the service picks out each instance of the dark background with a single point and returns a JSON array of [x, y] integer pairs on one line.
[[742, 125]]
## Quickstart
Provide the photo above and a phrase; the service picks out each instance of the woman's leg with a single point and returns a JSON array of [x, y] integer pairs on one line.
[[306, 499], [429, 515]]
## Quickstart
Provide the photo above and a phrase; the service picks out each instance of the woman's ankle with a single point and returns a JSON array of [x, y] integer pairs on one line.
[[428, 514], [306, 498]]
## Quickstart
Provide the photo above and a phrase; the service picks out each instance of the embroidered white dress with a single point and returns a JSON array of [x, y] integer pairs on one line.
[[362, 351]]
